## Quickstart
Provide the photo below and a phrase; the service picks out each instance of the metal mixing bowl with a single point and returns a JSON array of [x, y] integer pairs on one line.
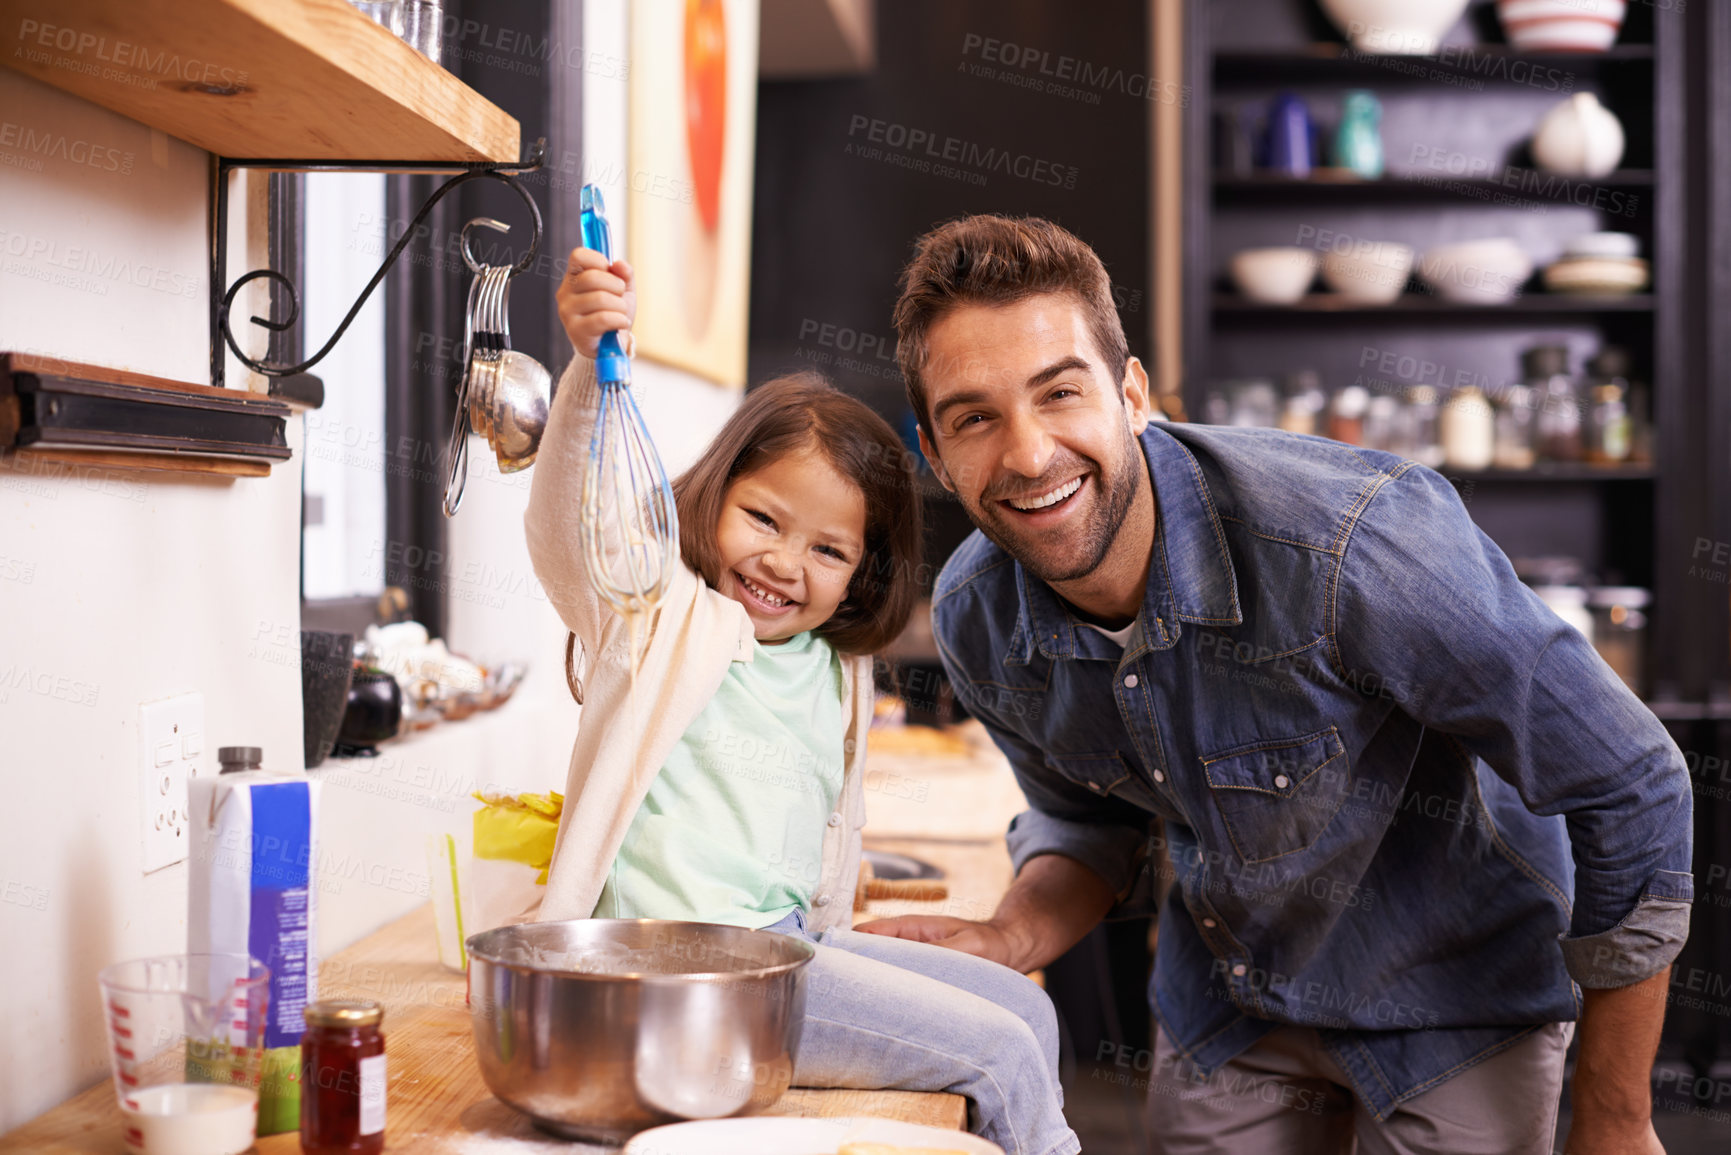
[[598, 1028]]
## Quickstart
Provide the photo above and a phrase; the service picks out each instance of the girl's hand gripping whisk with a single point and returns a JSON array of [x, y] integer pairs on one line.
[[629, 530]]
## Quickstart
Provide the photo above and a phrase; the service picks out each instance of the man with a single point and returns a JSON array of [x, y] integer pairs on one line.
[[1402, 803]]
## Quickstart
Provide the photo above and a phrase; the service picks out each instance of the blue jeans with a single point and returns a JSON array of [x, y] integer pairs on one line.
[[886, 1013]]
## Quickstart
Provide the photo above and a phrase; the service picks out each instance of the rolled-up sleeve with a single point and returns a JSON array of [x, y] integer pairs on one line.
[[1427, 601]]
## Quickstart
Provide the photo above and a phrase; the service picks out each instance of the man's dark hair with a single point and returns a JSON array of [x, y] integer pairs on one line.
[[996, 260]]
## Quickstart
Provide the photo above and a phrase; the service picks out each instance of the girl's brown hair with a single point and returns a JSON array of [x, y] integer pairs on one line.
[[803, 411]]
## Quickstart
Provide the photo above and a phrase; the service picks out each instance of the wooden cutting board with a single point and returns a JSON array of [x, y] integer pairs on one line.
[[437, 1103]]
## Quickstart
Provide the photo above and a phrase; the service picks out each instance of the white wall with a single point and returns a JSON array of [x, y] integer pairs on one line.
[[117, 589]]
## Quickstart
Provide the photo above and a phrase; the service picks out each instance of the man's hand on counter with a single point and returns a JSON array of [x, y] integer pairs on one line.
[[1053, 902]]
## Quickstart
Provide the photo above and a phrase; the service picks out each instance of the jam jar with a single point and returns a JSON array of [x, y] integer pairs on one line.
[[343, 1078]]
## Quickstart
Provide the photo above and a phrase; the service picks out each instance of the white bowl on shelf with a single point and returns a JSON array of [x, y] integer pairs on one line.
[[1394, 27], [1482, 272], [1368, 272], [1603, 276], [1277, 276], [1617, 246], [1561, 25]]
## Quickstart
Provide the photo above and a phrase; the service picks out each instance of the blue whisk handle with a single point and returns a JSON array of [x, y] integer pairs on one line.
[[611, 365]]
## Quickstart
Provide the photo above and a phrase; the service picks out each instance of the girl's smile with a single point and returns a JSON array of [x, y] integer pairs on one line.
[[790, 535]]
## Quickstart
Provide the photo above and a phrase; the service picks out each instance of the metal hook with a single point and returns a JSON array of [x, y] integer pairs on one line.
[[476, 266]]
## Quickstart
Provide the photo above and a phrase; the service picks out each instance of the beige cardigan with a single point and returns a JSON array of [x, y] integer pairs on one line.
[[692, 636]]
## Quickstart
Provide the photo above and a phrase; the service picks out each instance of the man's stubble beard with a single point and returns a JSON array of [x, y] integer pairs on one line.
[[1100, 531]]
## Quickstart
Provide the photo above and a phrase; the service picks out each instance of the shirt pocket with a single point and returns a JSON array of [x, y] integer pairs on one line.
[[1276, 797], [1097, 773]]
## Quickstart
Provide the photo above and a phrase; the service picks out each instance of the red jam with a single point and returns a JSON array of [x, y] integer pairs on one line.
[[343, 1078]]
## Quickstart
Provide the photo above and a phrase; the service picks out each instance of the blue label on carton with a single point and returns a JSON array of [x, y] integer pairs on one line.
[[277, 934]]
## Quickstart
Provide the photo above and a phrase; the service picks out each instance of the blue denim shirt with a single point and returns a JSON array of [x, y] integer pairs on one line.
[[1403, 802]]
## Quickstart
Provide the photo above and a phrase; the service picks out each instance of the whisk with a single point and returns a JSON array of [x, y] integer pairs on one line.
[[629, 528]]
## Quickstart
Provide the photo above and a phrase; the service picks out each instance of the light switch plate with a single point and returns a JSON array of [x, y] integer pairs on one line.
[[170, 750]]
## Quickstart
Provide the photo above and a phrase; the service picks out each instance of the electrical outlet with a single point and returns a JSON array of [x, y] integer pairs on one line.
[[170, 750]]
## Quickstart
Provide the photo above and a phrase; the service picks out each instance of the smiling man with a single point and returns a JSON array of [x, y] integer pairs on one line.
[[1402, 804]]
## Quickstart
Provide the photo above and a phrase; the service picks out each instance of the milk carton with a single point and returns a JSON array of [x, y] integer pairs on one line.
[[253, 855]]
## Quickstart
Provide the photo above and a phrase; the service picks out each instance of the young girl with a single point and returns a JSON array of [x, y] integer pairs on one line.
[[730, 789]]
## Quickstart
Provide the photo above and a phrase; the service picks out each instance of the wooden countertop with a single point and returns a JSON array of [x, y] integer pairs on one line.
[[949, 806], [437, 1103]]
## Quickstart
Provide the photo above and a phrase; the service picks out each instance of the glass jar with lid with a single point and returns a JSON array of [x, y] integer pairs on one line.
[[1421, 416], [1346, 414], [1620, 631], [1514, 429], [343, 1078], [1609, 438], [1545, 370], [1466, 429]]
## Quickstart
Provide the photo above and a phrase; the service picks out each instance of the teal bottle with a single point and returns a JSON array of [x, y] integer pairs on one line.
[[1358, 143]]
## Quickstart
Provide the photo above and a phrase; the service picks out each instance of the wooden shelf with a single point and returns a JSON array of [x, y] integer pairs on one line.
[[93, 415], [1410, 305], [302, 79]]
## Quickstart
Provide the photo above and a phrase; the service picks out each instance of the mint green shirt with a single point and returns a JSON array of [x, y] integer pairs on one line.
[[732, 828]]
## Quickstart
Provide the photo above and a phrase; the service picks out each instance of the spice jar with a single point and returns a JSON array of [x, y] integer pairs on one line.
[[343, 1078], [1514, 429], [1346, 414], [1466, 429], [1610, 425], [1421, 411], [1546, 369]]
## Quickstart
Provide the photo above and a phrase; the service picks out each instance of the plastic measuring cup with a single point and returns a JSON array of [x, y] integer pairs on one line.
[[187, 1035]]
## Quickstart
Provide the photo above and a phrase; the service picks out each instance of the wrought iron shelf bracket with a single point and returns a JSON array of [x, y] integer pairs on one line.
[[221, 332]]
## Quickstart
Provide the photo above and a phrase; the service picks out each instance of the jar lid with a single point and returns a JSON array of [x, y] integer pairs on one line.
[[1545, 360], [232, 758], [1611, 361], [344, 1013]]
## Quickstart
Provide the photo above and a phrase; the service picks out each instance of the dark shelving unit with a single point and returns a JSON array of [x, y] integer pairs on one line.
[[1470, 108], [1520, 310]]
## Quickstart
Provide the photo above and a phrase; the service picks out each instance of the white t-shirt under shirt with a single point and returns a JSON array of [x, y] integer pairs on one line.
[[1120, 637]]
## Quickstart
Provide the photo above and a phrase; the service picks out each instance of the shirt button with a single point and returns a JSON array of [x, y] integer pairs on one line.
[[1095, 787], [1238, 971], [1209, 923], [1282, 781], [848, 745], [823, 900], [1130, 681], [1159, 776], [835, 819]]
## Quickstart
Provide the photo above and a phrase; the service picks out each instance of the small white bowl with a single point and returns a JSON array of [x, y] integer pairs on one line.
[[1368, 272], [1274, 276], [1620, 246], [1612, 276], [1561, 25], [1484, 272]]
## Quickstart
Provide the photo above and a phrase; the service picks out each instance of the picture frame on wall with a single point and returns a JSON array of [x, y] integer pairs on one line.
[[693, 114]]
